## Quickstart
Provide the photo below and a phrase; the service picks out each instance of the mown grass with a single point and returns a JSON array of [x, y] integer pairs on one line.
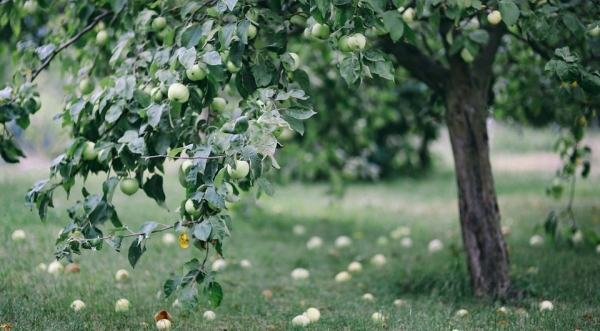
[[434, 285]]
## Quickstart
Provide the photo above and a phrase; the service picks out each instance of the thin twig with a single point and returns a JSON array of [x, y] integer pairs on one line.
[[184, 157], [68, 43]]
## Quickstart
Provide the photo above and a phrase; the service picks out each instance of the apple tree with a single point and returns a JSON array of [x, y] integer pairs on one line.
[[214, 81]]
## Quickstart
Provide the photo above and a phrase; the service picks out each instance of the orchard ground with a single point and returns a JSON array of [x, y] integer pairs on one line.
[[434, 286]]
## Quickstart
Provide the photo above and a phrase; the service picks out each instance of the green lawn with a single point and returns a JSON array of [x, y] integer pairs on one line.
[[434, 285]]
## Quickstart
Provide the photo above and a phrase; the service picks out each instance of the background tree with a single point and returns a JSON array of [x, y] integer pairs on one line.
[[161, 67]]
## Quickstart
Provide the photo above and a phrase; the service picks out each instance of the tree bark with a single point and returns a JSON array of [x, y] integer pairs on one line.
[[486, 255]]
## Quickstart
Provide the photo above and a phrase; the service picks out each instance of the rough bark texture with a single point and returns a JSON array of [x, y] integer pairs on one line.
[[485, 249], [465, 89]]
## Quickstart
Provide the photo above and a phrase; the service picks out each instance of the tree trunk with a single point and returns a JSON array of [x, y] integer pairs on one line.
[[487, 258]]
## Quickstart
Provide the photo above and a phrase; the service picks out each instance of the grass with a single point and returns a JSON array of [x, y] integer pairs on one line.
[[434, 286]]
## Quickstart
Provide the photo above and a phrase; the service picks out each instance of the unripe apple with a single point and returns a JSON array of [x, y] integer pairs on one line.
[[232, 67], [313, 314], [186, 165], [300, 273], [242, 168], [320, 31], [156, 94], [159, 23], [252, 15], [343, 241], [546, 305], [195, 73], [435, 245], [368, 297], [30, 7], [472, 25], [102, 38], [209, 315], [343, 44], [129, 186], [18, 235], [462, 313], [88, 151], [408, 15], [296, 64], [122, 305], [466, 55], [245, 264], [121, 274], [55, 267], [355, 267], [86, 86], [378, 260], [178, 93], [300, 320], [251, 31], [377, 318], [494, 17], [77, 305], [218, 104], [357, 42], [163, 324], [342, 276], [191, 209], [314, 242], [595, 32]]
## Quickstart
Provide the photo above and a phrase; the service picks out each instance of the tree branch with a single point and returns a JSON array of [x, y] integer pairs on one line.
[[485, 60], [67, 44], [545, 53], [421, 66]]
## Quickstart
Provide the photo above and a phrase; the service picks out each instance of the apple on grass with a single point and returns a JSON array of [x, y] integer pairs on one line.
[[313, 314], [195, 73], [314, 242], [368, 297], [18, 235], [355, 267], [209, 315], [300, 320], [122, 305], [129, 186], [377, 318], [121, 274], [343, 241], [77, 305], [300, 273], [178, 93], [55, 268], [163, 324], [342, 276]]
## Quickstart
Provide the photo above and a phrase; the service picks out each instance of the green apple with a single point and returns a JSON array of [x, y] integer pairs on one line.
[[294, 66], [178, 93], [472, 25], [195, 73], [88, 151], [129, 186], [163, 324], [159, 23], [343, 44], [191, 209], [102, 38], [218, 104], [408, 15], [30, 7], [466, 55], [494, 17], [232, 67], [357, 42], [86, 86], [242, 168], [156, 94], [38, 103], [595, 32], [251, 31], [186, 165], [320, 31], [252, 15]]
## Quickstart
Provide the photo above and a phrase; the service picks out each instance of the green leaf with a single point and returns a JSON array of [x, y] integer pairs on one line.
[[188, 298], [574, 25], [350, 71], [509, 11], [213, 198], [261, 75], [187, 57], [154, 189], [230, 4], [115, 242], [202, 230], [147, 228], [214, 292], [191, 36], [300, 112], [590, 83], [113, 113], [142, 98], [171, 284], [393, 22], [480, 36], [266, 186], [109, 187], [135, 252], [154, 114], [294, 123], [212, 58]]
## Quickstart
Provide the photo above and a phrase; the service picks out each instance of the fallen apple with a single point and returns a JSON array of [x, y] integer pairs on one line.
[[300, 273], [377, 318], [121, 274], [313, 314], [314, 242], [163, 324], [122, 305], [378, 260], [343, 276], [18, 235], [300, 320], [355, 267], [343, 241], [77, 305], [209, 315], [435, 246]]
